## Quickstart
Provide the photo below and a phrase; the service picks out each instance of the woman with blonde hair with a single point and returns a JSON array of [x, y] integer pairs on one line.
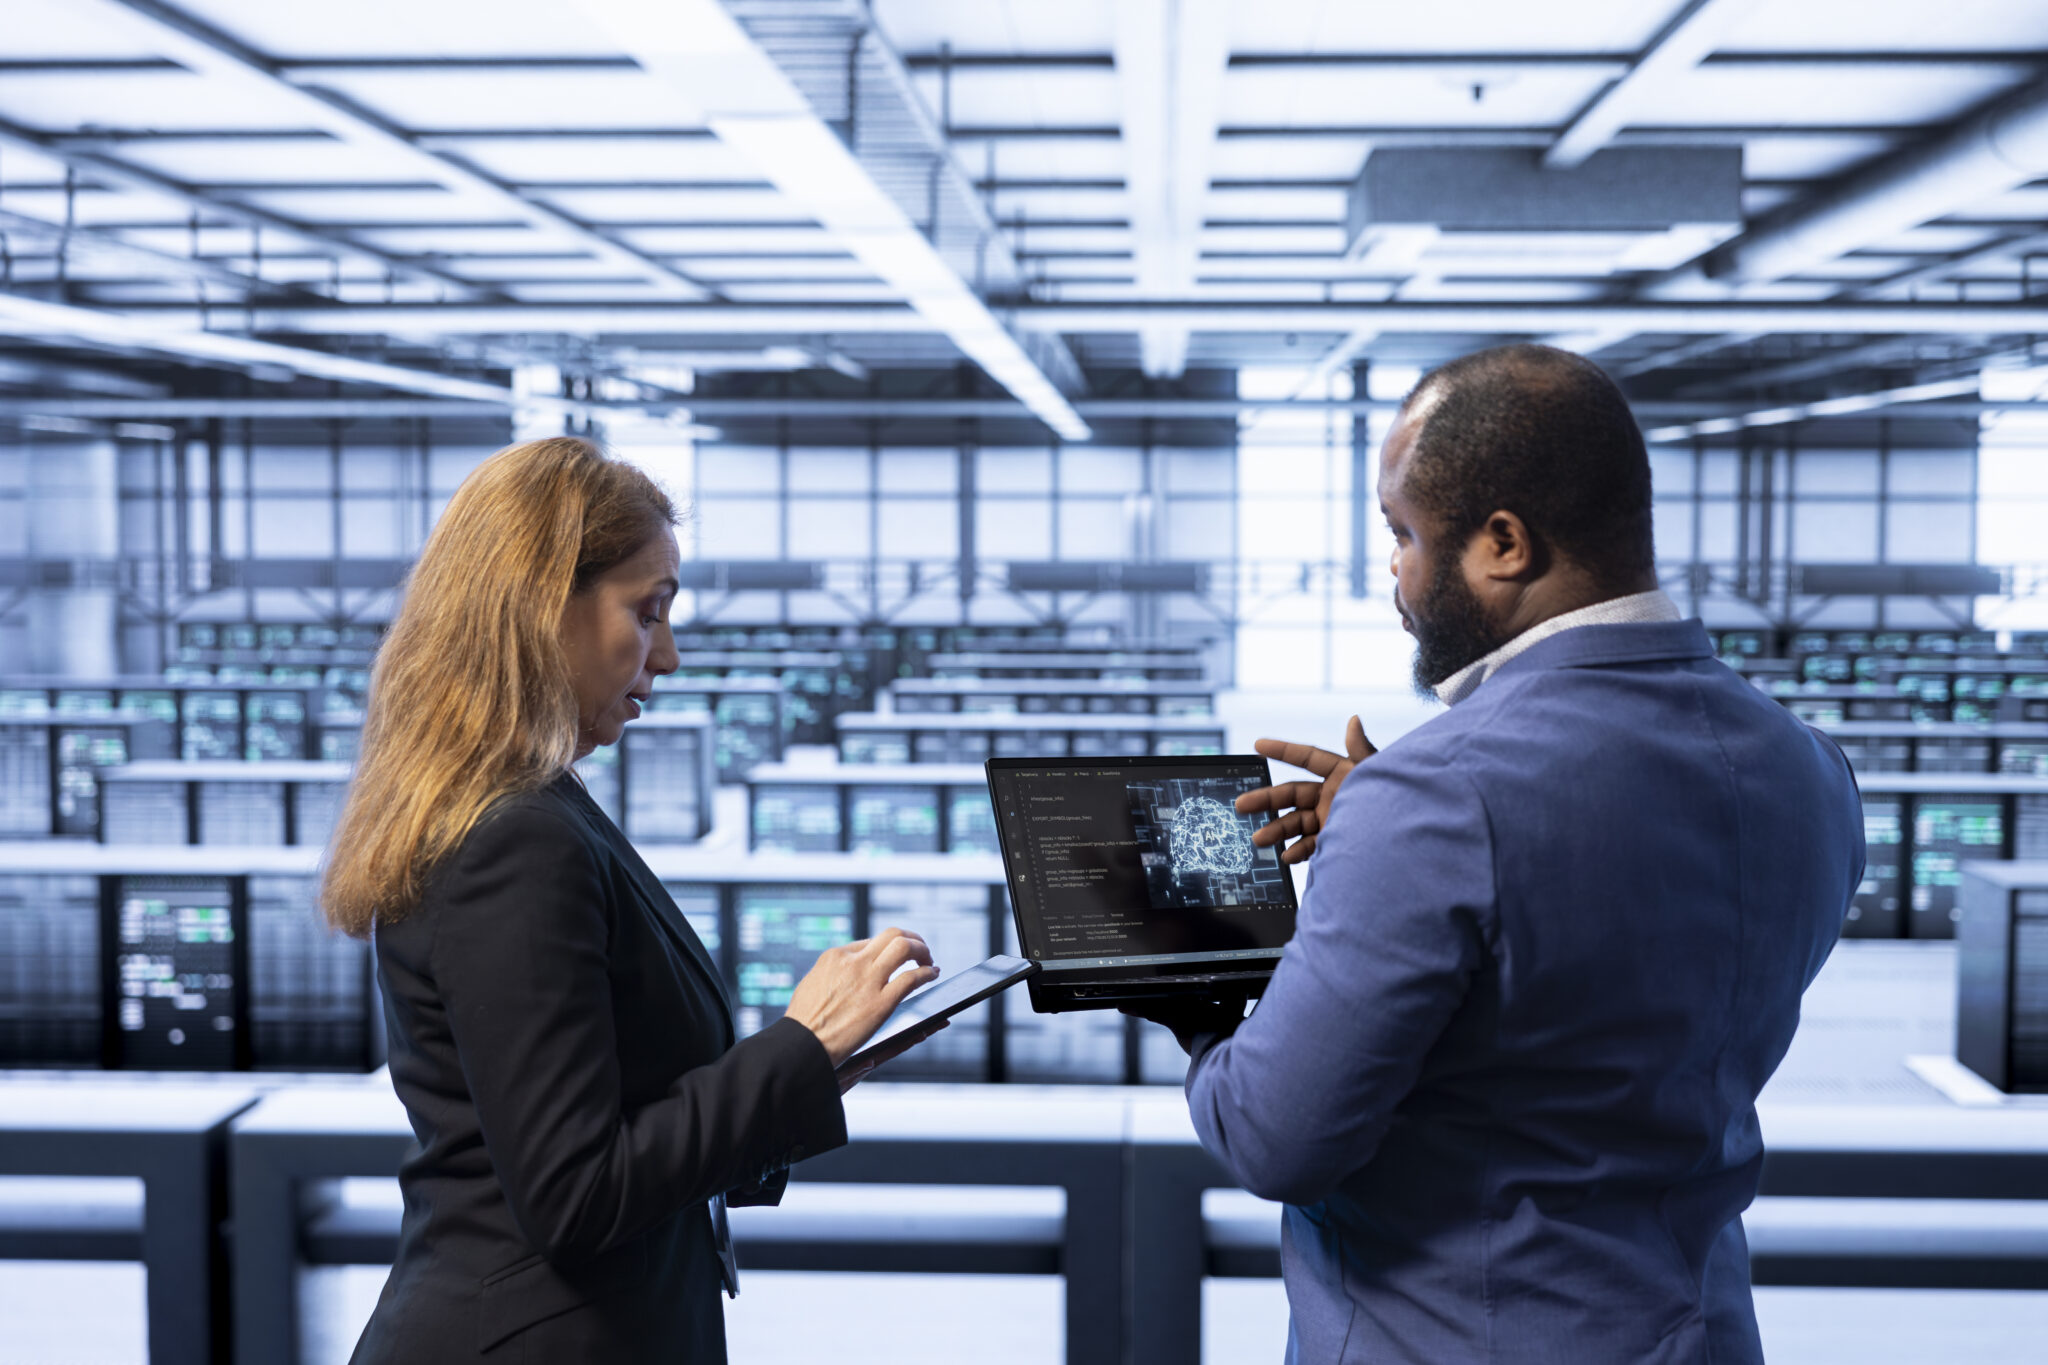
[[559, 1036]]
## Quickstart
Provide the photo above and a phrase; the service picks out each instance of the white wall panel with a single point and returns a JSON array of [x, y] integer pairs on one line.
[[1199, 471], [375, 468], [1199, 530], [738, 469], [1673, 522], [829, 528], [1946, 472], [829, 471], [1835, 532], [1929, 533], [293, 528], [919, 528], [1834, 471], [740, 528], [1013, 471], [1093, 529], [1670, 471], [1013, 528], [921, 471], [1095, 469]]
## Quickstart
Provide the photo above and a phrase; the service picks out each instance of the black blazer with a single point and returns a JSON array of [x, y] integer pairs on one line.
[[564, 1049]]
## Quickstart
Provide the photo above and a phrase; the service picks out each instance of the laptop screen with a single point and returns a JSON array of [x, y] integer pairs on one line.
[[1140, 863]]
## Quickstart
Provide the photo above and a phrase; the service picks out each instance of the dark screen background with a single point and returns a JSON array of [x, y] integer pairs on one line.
[[1091, 862]]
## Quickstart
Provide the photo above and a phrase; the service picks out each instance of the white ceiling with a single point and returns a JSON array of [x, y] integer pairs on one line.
[[532, 95]]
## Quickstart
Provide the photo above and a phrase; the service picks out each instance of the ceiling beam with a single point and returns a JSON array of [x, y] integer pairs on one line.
[[220, 58], [100, 165], [1170, 59], [196, 268], [1689, 35], [1609, 65], [834, 409], [1848, 405], [36, 320], [813, 409], [1284, 315], [1962, 263], [2000, 147]]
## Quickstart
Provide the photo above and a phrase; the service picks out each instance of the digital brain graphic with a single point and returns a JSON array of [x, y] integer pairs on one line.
[[1207, 837]]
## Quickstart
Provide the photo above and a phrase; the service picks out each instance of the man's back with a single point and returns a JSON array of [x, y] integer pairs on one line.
[[1553, 948]]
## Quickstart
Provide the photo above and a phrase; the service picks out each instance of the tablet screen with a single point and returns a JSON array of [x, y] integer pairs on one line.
[[947, 996]]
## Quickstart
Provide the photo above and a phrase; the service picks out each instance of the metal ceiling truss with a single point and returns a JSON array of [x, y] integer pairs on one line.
[[216, 55]]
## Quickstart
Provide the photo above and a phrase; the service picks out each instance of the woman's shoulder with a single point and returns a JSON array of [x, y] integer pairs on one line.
[[537, 826]]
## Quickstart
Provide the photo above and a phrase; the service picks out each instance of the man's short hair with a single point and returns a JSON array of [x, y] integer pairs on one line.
[[1544, 434]]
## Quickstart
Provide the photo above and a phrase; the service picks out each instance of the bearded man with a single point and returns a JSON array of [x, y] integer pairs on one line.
[[1554, 939]]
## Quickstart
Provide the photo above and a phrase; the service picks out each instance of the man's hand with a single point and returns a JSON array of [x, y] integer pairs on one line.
[[1190, 1017], [1306, 805]]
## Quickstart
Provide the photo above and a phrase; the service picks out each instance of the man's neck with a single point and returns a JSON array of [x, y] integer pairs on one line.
[[1562, 591]]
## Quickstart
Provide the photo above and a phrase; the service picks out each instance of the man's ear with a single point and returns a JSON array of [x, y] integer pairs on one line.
[[1509, 551]]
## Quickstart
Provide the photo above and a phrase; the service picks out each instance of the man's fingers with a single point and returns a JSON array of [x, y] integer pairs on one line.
[[1279, 796], [1355, 743], [1318, 761], [1299, 849], [1291, 825]]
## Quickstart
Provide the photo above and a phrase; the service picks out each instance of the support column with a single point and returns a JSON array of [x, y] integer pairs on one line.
[[74, 520], [1364, 497]]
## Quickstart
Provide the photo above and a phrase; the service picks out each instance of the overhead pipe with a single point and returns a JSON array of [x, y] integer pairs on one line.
[[1999, 149], [812, 320]]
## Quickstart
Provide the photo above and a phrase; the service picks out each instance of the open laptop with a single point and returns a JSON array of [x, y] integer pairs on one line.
[[1133, 878]]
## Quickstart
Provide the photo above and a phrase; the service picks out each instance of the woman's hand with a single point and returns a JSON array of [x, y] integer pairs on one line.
[[851, 1076], [1307, 804], [854, 987]]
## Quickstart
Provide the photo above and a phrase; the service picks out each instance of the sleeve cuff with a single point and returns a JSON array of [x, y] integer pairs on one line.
[[805, 1092]]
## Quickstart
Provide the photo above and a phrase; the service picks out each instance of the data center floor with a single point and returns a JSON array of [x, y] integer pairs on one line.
[[60, 1313], [1874, 1005]]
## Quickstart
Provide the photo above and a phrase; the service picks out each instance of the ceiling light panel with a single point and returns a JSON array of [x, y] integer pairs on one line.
[[998, 25], [1893, 26], [1472, 25], [693, 156], [1844, 97], [164, 100], [710, 61], [1310, 97], [406, 28]]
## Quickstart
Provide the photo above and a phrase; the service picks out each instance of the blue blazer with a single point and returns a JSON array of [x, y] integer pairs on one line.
[[1505, 1075]]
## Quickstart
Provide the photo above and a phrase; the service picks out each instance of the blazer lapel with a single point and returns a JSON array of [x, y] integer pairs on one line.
[[660, 905], [670, 917]]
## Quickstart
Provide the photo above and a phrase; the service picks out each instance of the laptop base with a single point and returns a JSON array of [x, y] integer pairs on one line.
[[1055, 998]]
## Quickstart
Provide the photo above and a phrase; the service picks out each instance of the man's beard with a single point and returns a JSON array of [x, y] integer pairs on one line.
[[1450, 625]]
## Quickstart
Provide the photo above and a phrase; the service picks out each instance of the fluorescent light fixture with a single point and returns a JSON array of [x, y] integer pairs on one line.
[[35, 318], [1171, 57], [709, 60], [2013, 383], [1843, 406]]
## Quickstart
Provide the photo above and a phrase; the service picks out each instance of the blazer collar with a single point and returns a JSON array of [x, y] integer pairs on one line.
[[1600, 646]]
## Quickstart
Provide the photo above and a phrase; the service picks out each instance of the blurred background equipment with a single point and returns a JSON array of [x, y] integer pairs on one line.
[[1024, 366]]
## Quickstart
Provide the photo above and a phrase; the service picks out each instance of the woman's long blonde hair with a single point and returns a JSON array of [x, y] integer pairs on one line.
[[471, 698]]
